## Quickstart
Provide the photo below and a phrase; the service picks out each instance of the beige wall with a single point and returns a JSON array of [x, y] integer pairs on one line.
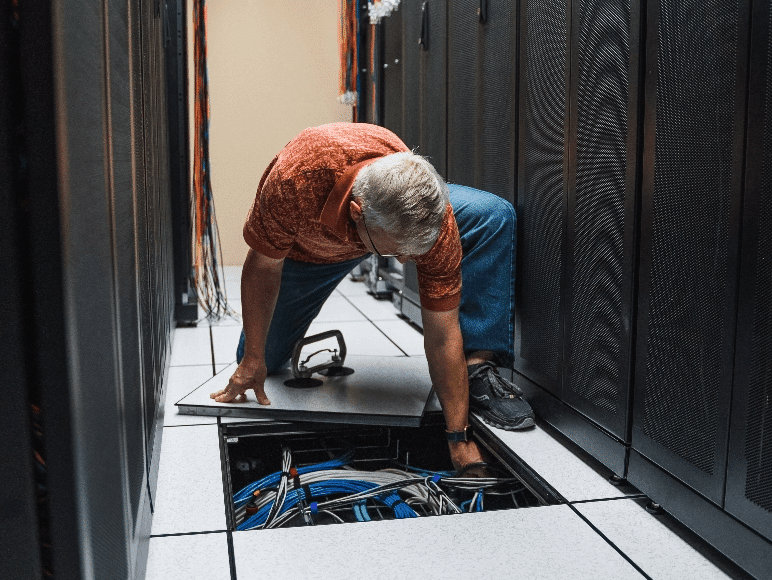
[[273, 71]]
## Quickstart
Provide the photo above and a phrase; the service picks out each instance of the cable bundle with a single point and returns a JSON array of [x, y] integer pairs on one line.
[[347, 42], [334, 486], [242, 497], [206, 236], [359, 489]]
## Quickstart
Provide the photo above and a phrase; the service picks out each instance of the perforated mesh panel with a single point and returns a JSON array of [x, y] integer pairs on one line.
[[542, 193], [392, 74], [411, 76], [463, 101], [434, 105], [596, 309], [498, 37], [154, 252], [692, 186], [758, 438]]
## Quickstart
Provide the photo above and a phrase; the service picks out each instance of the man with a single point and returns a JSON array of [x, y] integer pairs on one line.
[[339, 192]]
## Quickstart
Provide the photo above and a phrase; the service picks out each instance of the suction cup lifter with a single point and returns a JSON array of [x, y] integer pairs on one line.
[[332, 367]]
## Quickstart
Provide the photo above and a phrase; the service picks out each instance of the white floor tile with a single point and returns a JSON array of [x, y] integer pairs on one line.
[[409, 338], [339, 309], [234, 320], [183, 380], [536, 543], [566, 472], [232, 271], [186, 557], [232, 289], [225, 341], [361, 338], [660, 552], [348, 287], [189, 497], [191, 346], [375, 310]]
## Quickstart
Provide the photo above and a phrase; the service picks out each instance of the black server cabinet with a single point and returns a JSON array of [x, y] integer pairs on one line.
[[577, 192], [690, 232], [749, 473], [20, 530], [392, 72], [602, 189], [482, 73], [424, 78], [544, 81], [176, 47], [91, 248]]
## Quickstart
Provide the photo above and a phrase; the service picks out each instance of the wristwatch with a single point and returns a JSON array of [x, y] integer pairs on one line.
[[459, 436]]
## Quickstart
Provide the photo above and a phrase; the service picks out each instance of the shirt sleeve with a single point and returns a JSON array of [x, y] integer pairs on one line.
[[272, 223], [439, 270]]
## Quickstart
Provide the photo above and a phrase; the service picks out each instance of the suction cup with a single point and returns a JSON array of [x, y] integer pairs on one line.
[[303, 383], [336, 372]]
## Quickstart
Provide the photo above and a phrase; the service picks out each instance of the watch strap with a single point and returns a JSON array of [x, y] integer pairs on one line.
[[459, 436]]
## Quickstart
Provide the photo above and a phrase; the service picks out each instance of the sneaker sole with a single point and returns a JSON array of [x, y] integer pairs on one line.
[[524, 424]]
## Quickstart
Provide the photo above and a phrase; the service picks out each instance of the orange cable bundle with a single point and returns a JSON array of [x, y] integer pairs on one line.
[[206, 235], [373, 88], [347, 41]]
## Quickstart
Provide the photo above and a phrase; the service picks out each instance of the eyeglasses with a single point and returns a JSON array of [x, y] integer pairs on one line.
[[373, 245]]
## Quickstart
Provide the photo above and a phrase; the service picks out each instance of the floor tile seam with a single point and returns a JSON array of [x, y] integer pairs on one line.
[[604, 499], [190, 365], [608, 540], [211, 349], [336, 320], [226, 489], [191, 425], [377, 327], [178, 534]]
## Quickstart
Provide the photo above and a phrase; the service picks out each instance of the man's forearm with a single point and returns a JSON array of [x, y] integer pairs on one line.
[[447, 366], [260, 283]]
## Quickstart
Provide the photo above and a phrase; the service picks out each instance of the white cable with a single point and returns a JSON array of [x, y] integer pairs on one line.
[[381, 9], [379, 478]]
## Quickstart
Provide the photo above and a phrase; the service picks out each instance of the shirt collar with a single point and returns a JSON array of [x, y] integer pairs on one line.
[[335, 212]]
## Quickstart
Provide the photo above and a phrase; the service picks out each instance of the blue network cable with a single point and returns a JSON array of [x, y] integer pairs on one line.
[[360, 511], [242, 497], [333, 486]]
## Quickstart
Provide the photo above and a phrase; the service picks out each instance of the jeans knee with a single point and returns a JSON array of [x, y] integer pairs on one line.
[[487, 211]]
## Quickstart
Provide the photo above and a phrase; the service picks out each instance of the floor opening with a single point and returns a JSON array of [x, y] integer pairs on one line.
[[287, 475]]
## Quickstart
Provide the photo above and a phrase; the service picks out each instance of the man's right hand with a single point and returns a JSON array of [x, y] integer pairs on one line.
[[250, 374]]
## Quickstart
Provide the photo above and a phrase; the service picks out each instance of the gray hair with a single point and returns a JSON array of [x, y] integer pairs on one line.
[[403, 196]]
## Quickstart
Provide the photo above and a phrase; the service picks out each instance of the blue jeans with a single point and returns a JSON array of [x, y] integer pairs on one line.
[[487, 226]]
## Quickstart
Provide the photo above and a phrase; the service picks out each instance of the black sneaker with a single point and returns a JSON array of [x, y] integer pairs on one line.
[[498, 401]]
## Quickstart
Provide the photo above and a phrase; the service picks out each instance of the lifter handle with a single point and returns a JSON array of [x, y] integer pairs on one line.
[[337, 360]]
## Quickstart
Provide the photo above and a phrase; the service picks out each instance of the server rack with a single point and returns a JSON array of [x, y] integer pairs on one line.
[[88, 157], [392, 71], [643, 309], [424, 79], [690, 226], [20, 529], [701, 393], [541, 194], [176, 48], [577, 209], [749, 471], [482, 115]]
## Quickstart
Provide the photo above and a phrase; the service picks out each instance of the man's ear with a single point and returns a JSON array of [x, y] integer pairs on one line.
[[355, 211]]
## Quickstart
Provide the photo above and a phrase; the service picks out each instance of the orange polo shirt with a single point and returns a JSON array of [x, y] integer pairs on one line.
[[301, 210]]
